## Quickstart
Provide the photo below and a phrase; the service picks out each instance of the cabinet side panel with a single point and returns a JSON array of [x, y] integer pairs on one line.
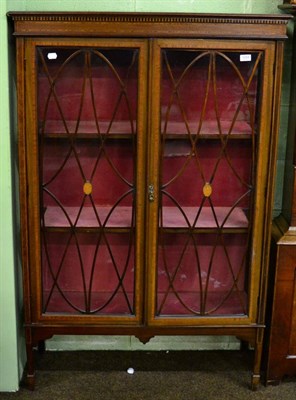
[[281, 352], [292, 344]]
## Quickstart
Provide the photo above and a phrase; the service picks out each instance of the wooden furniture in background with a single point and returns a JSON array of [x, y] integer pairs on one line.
[[147, 150], [281, 337]]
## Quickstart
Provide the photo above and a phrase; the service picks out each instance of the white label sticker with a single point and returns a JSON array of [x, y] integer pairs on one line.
[[245, 57], [52, 56]]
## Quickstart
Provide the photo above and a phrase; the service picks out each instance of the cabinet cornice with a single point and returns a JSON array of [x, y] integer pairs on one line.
[[151, 24]]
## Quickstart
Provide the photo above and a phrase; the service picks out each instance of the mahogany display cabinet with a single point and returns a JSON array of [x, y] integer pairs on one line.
[[147, 148]]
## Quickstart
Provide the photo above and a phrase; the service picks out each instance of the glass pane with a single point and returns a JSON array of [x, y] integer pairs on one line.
[[89, 273], [207, 164], [201, 274], [209, 92], [87, 107], [87, 91]]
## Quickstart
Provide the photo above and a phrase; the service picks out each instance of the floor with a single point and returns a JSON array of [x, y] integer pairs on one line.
[[186, 375]]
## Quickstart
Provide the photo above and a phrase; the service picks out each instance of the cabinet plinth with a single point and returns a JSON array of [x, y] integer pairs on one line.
[[147, 147]]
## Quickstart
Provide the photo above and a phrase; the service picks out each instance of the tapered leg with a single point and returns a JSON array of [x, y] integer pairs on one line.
[[257, 361], [30, 376]]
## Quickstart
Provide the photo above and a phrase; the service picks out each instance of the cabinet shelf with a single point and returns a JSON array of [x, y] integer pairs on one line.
[[120, 218], [224, 302], [87, 136], [56, 128], [208, 130], [122, 130], [55, 217], [226, 218], [221, 302], [73, 302]]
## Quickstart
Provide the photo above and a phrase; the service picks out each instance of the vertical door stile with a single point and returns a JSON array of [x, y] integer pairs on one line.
[[141, 171], [33, 177], [152, 187]]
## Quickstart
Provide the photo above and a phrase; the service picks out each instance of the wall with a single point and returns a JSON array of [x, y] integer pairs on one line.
[[9, 372], [11, 340], [225, 6]]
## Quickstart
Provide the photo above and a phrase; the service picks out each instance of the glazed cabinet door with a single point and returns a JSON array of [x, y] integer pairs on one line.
[[209, 155], [86, 176]]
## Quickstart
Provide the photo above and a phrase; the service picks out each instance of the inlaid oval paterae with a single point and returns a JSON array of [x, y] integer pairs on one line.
[[207, 189]]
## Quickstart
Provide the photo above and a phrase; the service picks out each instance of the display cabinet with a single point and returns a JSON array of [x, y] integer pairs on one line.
[[147, 155]]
